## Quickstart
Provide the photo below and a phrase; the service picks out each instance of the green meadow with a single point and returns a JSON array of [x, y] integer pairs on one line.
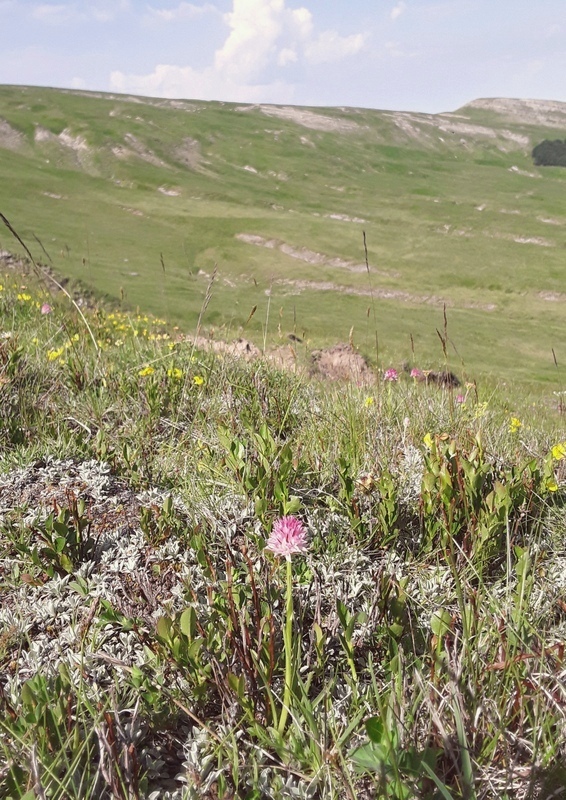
[[142, 200]]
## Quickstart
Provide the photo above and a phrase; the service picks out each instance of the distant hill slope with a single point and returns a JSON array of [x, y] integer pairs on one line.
[[143, 199], [545, 113]]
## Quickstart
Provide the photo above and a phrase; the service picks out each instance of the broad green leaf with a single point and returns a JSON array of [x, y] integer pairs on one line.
[[187, 622]]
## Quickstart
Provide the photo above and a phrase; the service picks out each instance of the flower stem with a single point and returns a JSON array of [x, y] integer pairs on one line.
[[288, 645]]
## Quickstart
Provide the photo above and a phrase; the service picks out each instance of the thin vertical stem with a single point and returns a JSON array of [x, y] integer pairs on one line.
[[288, 645]]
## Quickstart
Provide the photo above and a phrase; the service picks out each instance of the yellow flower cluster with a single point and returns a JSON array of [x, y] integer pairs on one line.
[[53, 355], [146, 371], [515, 425], [138, 325]]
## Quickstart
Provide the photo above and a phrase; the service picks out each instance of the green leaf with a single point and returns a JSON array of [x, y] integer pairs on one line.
[[440, 622], [343, 613], [237, 684], [293, 505], [80, 586], [260, 507], [187, 622], [194, 648], [396, 629], [61, 528], [28, 697], [66, 563], [369, 757], [375, 729], [164, 625]]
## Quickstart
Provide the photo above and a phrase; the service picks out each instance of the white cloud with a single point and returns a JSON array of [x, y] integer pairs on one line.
[[182, 11], [55, 14], [184, 82], [301, 22], [256, 26], [287, 56], [264, 36], [65, 13], [398, 9], [394, 50], [330, 46]]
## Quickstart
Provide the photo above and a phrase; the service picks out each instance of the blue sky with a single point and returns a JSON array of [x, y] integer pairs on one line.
[[413, 55]]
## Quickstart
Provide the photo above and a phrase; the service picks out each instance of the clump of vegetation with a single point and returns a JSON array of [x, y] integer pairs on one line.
[[223, 581], [550, 153]]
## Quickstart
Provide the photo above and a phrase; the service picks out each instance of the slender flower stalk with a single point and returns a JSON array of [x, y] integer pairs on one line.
[[288, 537], [288, 645]]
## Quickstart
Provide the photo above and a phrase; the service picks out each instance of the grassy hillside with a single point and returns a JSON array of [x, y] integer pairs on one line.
[[141, 199]]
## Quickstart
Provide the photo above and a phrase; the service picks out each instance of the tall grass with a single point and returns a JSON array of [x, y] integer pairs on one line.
[[144, 650]]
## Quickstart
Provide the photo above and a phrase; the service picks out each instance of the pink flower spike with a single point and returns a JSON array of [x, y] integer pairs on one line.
[[460, 398], [288, 537], [416, 373], [46, 308], [391, 375]]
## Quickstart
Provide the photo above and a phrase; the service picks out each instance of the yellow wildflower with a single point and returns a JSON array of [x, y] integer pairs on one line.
[[175, 372], [198, 380], [559, 451], [53, 355], [146, 371], [515, 425], [428, 441], [551, 485], [369, 401], [23, 297]]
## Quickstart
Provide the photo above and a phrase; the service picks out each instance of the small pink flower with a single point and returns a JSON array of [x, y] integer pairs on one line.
[[460, 398], [46, 308], [288, 537], [391, 375], [417, 373]]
